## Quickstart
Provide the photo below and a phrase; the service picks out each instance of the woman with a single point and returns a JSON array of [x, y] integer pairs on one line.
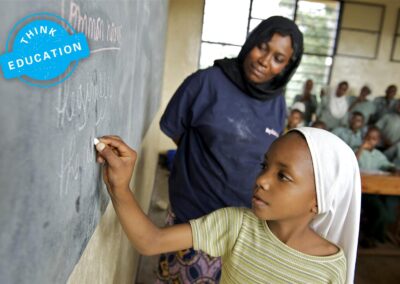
[[223, 119]]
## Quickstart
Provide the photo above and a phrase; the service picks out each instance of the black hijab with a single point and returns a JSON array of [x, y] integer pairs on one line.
[[233, 68]]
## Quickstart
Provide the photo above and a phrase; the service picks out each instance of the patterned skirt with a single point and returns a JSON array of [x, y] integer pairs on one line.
[[187, 266]]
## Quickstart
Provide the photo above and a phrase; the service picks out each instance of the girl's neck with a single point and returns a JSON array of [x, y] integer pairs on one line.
[[289, 232], [302, 238]]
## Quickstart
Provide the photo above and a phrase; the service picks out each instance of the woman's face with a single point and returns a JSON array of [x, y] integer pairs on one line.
[[268, 59], [285, 188]]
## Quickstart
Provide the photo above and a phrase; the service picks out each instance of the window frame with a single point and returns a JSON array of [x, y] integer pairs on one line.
[[378, 33], [396, 38]]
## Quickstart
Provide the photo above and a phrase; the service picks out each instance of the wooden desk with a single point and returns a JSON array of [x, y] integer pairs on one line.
[[380, 184]]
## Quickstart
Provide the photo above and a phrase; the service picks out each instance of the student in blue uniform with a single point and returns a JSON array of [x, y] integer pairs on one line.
[[362, 104], [378, 211], [389, 125], [223, 119], [384, 104], [352, 135], [393, 154]]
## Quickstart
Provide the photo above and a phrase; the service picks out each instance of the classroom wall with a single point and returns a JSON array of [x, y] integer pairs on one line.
[[185, 21], [379, 72], [183, 48]]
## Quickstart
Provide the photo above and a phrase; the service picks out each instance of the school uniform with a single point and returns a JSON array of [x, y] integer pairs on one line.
[[367, 108], [393, 154], [389, 125], [351, 138], [382, 107]]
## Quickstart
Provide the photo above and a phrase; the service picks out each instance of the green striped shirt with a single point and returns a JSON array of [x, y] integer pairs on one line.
[[251, 253]]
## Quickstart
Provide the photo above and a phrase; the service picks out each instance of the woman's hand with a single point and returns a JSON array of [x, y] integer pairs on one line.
[[119, 162]]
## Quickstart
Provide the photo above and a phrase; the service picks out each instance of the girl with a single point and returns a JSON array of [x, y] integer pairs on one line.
[[235, 106], [302, 228], [334, 106]]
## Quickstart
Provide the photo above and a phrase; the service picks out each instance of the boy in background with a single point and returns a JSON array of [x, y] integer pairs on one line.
[[351, 135], [377, 211]]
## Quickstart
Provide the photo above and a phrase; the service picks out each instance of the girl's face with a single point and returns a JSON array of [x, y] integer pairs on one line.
[[268, 59], [285, 188], [373, 137], [341, 89]]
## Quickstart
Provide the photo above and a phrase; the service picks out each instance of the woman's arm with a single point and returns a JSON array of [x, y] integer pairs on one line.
[[147, 238]]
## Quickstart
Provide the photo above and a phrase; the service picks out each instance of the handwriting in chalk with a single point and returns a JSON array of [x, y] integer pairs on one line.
[[75, 162], [76, 105], [95, 28]]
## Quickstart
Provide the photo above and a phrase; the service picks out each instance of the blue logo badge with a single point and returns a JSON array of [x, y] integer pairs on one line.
[[43, 52]]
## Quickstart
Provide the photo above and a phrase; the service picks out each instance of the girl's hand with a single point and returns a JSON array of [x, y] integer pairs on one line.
[[119, 162], [366, 145]]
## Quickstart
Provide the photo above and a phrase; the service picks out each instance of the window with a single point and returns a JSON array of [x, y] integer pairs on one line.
[[396, 41], [317, 20], [360, 30]]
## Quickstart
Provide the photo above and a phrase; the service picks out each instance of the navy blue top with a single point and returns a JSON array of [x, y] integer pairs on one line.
[[223, 135]]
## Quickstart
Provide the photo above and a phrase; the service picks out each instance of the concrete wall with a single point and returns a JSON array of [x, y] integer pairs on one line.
[[379, 72], [183, 48]]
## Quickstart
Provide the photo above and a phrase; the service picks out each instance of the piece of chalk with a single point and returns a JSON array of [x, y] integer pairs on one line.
[[96, 141]]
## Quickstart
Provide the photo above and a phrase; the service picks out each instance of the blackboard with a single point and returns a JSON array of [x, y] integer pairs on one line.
[[51, 193]]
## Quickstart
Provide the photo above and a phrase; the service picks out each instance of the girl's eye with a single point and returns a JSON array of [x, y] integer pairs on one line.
[[282, 177], [263, 166]]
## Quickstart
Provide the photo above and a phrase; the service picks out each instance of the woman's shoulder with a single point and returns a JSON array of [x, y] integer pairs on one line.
[[212, 75]]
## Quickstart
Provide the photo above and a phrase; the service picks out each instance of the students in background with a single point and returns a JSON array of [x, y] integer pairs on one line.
[[295, 117], [378, 211], [389, 125], [334, 106], [302, 228], [309, 100], [384, 104], [393, 154], [362, 104], [352, 135], [223, 119]]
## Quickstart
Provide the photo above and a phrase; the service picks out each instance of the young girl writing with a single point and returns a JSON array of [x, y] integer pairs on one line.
[[302, 228]]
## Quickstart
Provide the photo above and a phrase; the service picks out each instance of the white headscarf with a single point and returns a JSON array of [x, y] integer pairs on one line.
[[338, 187], [337, 105]]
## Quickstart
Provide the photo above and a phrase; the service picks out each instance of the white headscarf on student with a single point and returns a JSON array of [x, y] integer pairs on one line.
[[338, 105], [338, 187]]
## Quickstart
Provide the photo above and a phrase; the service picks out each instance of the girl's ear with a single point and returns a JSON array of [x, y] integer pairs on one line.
[[314, 209]]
